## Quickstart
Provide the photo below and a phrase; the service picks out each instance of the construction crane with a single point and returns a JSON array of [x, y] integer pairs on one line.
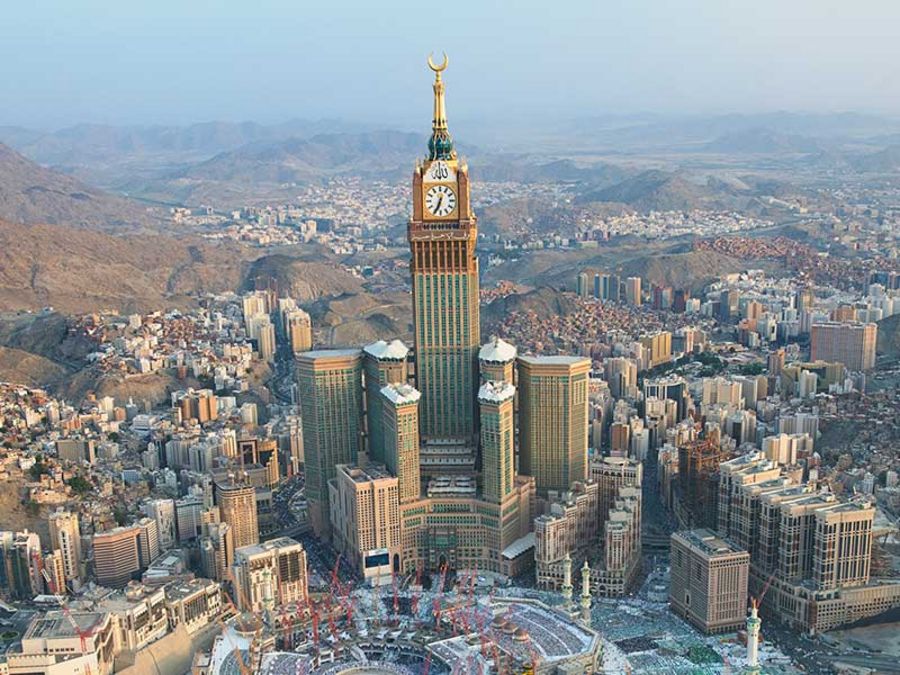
[[440, 596], [83, 635], [414, 601]]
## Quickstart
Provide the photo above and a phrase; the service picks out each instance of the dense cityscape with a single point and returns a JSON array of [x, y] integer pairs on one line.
[[573, 435]]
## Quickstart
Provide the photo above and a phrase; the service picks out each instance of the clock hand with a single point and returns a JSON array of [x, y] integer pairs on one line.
[[440, 201]]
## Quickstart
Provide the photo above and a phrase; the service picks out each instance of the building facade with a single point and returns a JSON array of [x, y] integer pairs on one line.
[[708, 584], [553, 420], [330, 388]]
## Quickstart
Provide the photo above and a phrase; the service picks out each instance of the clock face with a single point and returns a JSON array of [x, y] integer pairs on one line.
[[440, 171], [440, 200]]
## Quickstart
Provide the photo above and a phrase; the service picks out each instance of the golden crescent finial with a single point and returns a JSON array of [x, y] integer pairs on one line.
[[438, 68]]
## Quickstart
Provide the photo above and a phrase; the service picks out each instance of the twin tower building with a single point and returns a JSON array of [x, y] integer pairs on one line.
[[412, 464]]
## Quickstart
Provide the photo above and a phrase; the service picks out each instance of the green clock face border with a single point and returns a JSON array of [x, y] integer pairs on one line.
[[440, 201]]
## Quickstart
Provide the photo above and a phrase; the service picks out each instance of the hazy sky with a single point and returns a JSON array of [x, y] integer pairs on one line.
[[146, 61]]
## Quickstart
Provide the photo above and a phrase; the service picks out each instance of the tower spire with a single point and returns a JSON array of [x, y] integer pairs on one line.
[[440, 146]]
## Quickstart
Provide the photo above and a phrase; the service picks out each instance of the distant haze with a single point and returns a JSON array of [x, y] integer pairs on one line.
[[175, 61]]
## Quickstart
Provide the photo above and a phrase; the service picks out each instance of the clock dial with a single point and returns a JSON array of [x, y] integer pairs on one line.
[[440, 171], [440, 200]]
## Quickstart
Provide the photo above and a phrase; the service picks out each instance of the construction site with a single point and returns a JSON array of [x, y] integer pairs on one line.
[[461, 625]]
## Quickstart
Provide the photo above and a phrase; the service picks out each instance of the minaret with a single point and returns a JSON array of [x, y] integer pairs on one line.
[[753, 626], [268, 595], [586, 594], [567, 581]]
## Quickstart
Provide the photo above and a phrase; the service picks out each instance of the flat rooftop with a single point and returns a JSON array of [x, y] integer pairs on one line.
[[708, 542], [554, 360], [56, 625]]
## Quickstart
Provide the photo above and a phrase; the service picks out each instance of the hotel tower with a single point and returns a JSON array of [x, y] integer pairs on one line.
[[442, 234]]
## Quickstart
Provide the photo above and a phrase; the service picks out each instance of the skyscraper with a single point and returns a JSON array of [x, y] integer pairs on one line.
[[237, 505], [298, 329], [65, 536], [117, 556], [163, 512], [553, 420], [401, 437], [365, 515], [442, 235], [709, 580], [850, 343], [633, 291], [381, 517], [330, 387], [383, 363], [497, 440]]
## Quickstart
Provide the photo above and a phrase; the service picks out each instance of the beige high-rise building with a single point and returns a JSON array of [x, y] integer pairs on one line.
[[633, 291], [237, 506], [331, 401], [850, 343], [384, 363], [498, 431], [255, 304], [708, 584], [269, 575], [298, 328], [54, 566], [217, 551], [611, 474], [263, 331], [365, 515], [811, 549], [621, 374], [843, 545], [553, 420], [657, 349], [400, 424], [65, 536], [117, 556]]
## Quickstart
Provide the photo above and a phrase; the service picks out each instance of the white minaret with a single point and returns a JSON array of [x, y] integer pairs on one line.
[[586, 593], [567, 581], [753, 625]]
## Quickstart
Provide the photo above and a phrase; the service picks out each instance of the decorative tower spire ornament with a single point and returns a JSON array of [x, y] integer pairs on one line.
[[586, 593], [567, 581], [440, 145]]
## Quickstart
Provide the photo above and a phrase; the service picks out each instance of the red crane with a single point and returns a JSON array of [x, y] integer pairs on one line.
[[414, 602], [83, 635], [315, 625], [440, 596]]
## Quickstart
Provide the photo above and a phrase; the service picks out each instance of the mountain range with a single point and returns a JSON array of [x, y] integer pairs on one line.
[[30, 193]]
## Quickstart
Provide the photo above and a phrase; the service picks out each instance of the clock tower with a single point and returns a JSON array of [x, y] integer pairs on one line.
[[442, 234]]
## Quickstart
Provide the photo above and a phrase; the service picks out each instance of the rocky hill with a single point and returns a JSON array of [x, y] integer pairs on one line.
[[83, 271], [272, 168], [883, 161], [762, 140], [305, 278], [656, 190], [30, 193], [92, 144], [544, 302]]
